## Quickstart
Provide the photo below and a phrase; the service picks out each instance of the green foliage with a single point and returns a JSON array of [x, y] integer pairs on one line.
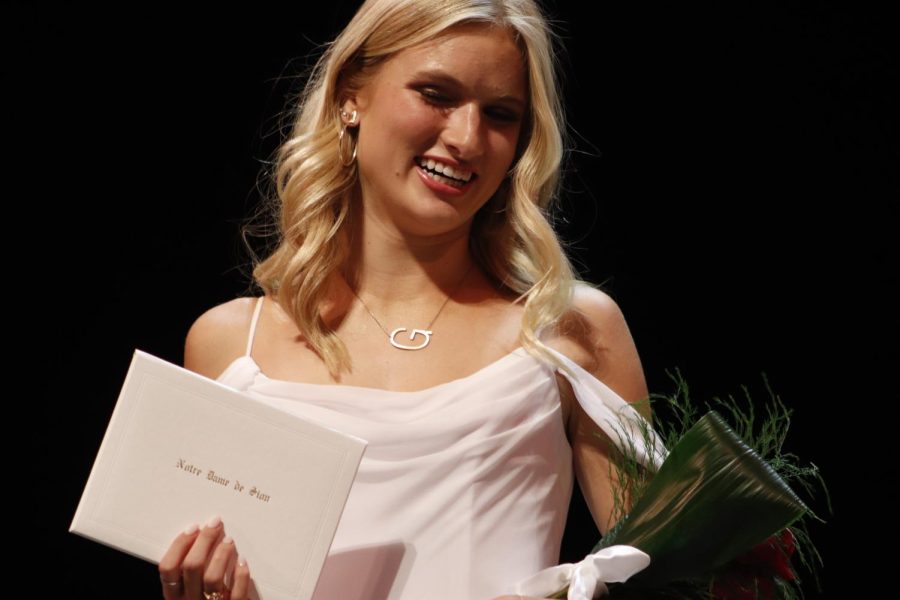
[[768, 473], [711, 500]]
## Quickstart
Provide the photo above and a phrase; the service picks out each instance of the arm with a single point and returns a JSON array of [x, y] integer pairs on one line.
[[601, 343]]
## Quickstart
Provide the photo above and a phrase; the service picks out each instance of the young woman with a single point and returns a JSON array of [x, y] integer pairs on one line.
[[420, 300]]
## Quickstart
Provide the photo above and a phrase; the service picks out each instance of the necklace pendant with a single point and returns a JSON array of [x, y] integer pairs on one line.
[[424, 332]]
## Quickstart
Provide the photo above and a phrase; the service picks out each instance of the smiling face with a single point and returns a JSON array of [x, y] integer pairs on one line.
[[438, 128]]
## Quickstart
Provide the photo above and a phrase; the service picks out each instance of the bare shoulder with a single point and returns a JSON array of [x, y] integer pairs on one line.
[[218, 337], [593, 323], [594, 334], [600, 313]]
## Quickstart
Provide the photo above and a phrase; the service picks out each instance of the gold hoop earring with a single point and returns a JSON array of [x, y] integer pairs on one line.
[[345, 134]]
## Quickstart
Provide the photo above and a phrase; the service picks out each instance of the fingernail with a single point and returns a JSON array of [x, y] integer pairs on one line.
[[227, 540], [191, 529], [214, 522], [242, 562]]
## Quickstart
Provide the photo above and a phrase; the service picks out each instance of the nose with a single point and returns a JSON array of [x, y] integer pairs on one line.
[[463, 132]]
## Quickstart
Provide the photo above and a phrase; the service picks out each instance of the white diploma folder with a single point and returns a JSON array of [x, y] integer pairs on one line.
[[181, 448]]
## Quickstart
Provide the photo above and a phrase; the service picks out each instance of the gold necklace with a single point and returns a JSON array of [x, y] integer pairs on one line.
[[425, 333]]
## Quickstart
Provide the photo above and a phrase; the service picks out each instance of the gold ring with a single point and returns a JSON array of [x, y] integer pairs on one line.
[[214, 595]]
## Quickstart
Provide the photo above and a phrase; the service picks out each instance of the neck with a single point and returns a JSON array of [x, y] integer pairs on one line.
[[386, 268]]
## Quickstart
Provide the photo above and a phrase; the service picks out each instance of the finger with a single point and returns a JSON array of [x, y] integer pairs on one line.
[[170, 563], [241, 588], [198, 557], [214, 580], [228, 579]]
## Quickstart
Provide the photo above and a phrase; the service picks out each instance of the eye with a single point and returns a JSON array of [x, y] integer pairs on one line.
[[434, 96], [503, 115]]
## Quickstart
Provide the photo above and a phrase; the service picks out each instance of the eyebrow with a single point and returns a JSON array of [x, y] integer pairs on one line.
[[450, 79]]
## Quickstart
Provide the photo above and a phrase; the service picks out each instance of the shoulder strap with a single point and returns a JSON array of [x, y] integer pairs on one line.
[[624, 426], [253, 321]]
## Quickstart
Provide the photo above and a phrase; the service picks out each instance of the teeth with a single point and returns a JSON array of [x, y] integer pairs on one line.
[[446, 180], [446, 170]]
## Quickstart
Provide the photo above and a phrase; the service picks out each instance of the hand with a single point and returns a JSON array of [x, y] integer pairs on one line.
[[204, 560], [517, 597]]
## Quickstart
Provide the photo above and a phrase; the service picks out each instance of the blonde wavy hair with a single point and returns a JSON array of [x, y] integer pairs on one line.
[[511, 238]]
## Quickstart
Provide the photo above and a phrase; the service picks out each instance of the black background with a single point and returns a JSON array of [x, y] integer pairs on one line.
[[730, 187]]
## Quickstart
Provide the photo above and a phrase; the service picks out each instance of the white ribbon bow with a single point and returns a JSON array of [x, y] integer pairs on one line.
[[586, 579]]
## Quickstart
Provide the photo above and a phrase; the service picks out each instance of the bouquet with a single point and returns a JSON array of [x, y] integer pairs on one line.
[[714, 519]]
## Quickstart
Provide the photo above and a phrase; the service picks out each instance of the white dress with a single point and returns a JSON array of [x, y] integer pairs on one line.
[[464, 487]]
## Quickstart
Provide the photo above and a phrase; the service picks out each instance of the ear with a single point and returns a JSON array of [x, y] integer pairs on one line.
[[350, 112]]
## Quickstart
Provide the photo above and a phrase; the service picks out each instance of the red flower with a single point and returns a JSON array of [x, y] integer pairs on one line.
[[750, 576]]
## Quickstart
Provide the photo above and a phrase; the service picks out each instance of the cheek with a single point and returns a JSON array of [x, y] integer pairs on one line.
[[394, 136], [415, 123], [502, 145]]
